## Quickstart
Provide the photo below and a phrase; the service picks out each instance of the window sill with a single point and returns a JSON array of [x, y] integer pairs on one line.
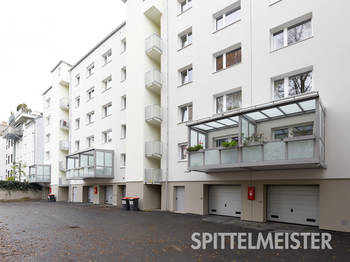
[[123, 109], [185, 84], [90, 123], [182, 160], [122, 167], [106, 116], [184, 122], [226, 68], [105, 64], [121, 81], [184, 11], [275, 50], [182, 48], [216, 31], [122, 138], [274, 2], [122, 52], [105, 90], [89, 76]]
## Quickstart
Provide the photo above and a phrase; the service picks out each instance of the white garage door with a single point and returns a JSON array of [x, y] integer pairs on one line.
[[225, 200], [109, 195], [90, 194], [74, 194], [293, 204]]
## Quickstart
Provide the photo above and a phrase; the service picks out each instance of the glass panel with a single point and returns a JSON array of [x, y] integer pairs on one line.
[[215, 124], [300, 149], [232, 16], [308, 105], [108, 171], [219, 62], [274, 151], [219, 22], [277, 40], [39, 170], [273, 112], [219, 104], [91, 160], [280, 133], [47, 171], [252, 153], [256, 116], [108, 159], [233, 100], [290, 109], [196, 159], [229, 156], [302, 130], [233, 57], [194, 138], [203, 127], [201, 140], [299, 32], [83, 160], [278, 89], [227, 122], [245, 129], [251, 129], [99, 158], [212, 157], [235, 118], [299, 84], [220, 141], [100, 171]]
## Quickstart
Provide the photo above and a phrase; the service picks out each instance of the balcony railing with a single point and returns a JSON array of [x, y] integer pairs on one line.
[[64, 145], [153, 81], [153, 176], [62, 166], [40, 174], [245, 134], [154, 47], [64, 104], [64, 124], [94, 163], [153, 114], [153, 149], [13, 133]]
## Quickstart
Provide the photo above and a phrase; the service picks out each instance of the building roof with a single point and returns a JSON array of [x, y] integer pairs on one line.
[[99, 44], [60, 62]]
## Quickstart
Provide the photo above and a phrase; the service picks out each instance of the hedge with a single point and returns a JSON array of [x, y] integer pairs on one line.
[[19, 186]]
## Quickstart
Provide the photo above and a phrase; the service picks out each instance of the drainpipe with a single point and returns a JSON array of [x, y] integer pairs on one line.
[[167, 109]]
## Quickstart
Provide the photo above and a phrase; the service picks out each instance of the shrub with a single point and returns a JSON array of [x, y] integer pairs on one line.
[[19, 186], [194, 148], [233, 143]]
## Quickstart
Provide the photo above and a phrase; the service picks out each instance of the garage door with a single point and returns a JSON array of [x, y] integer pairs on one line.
[[109, 195], [225, 200], [293, 204], [74, 194], [90, 194]]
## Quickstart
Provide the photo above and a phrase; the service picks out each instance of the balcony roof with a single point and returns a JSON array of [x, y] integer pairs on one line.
[[292, 106]]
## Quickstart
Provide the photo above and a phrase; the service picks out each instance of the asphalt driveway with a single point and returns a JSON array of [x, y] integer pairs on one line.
[[42, 231]]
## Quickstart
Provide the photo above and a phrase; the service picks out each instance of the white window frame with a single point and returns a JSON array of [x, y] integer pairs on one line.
[[90, 69], [76, 145], [181, 113], [223, 53], [90, 141], [122, 46], [180, 157], [77, 79], [105, 110], [186, 70], [107, 84], [290, 129], [122, 160], [186, 34], [77, 123], [222, 14], [90, 117], [107, 57], [184, 5], [77, 102], [90, 94], [123, 74], [123, 131], [107, 136], [123, 102], [224, 104]]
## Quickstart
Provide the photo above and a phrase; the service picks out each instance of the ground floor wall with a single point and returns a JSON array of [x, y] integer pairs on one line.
[[12, 195], [334, 198]]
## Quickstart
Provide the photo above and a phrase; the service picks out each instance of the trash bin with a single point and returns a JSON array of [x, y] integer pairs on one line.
[[134, 203], [51, 198], [125, 203]]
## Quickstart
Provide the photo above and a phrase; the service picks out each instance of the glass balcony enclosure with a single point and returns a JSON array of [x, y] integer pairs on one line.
[[40, 174], [284, 134], [94, 163]]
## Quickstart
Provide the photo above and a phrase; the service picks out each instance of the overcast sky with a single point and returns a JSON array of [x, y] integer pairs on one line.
[[36, 34]]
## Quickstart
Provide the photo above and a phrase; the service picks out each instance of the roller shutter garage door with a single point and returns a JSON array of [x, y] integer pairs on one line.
[[225, 200], [293, 204]]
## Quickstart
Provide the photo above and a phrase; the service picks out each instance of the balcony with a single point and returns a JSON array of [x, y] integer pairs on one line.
[[286, 134], [62, 166], [153, 81], [64, 125], [64, 104], [64, 78], [153, 149], [64, 145], [40, 174], [154, 47], [153, 114], [153, 176], [152, 10], [13, 133], [94, 163]]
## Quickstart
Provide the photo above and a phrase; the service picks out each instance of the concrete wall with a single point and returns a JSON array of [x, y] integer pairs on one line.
[[9, 195]]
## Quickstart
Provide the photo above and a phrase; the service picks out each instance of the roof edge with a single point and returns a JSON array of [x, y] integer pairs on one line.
[[60, 62]]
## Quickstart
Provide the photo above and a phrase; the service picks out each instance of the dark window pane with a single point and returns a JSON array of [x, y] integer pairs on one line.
[[278, 89], [301, 83], [280, 133], [233, 57], [303, 130], [299, 32], [219, 62]]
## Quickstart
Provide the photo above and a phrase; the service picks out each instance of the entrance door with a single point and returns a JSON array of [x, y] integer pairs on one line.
[[225, 200], [90, 194], [74, 194], [293, 204], [180, 198], [109, 195]]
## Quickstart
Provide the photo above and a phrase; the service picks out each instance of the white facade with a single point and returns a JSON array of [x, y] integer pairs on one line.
[[3, 156]]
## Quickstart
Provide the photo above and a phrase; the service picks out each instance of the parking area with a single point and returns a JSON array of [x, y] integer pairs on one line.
[[42, 231]]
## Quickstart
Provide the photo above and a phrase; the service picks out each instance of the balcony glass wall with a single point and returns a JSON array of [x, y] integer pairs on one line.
[[90, 164], [284, 134], [40, 174]]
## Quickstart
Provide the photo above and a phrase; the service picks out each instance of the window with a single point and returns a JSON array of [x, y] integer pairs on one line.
[[186, 113], [107, 57], [122, 160], [48, 120], [107, 84], [228, 102], [47, 138], [90, 69], [77, 123], [77, 102], [186, 76], [293, 131], [123, 46], [47, 102], [107, 136], [123, 103], [123, 131], [290, 35], [90, 141], [228, 59], [185, 5], [76, 145], [225, 18], [47, 155], [77, 79], [219, 141], [107, 110], [90, 93], [186, 39], [123, 74], [182, 151], [90, 117], [292, 85]]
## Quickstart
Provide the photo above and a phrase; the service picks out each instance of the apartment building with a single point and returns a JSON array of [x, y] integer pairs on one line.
[[24, 146], [56, 106]]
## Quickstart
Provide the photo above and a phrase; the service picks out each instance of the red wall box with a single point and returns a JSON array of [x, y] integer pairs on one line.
[[251, 193]]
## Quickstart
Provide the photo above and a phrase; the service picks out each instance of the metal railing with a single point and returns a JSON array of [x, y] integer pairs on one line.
[[153, 176], [64, 145], [153, 112], [62, 166], [153, 78], [153, 149], [64, 103], [64, 124], [12, 133], [154, 42]]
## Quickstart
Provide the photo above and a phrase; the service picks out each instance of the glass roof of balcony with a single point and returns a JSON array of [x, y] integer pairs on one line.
[[279, 109]]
